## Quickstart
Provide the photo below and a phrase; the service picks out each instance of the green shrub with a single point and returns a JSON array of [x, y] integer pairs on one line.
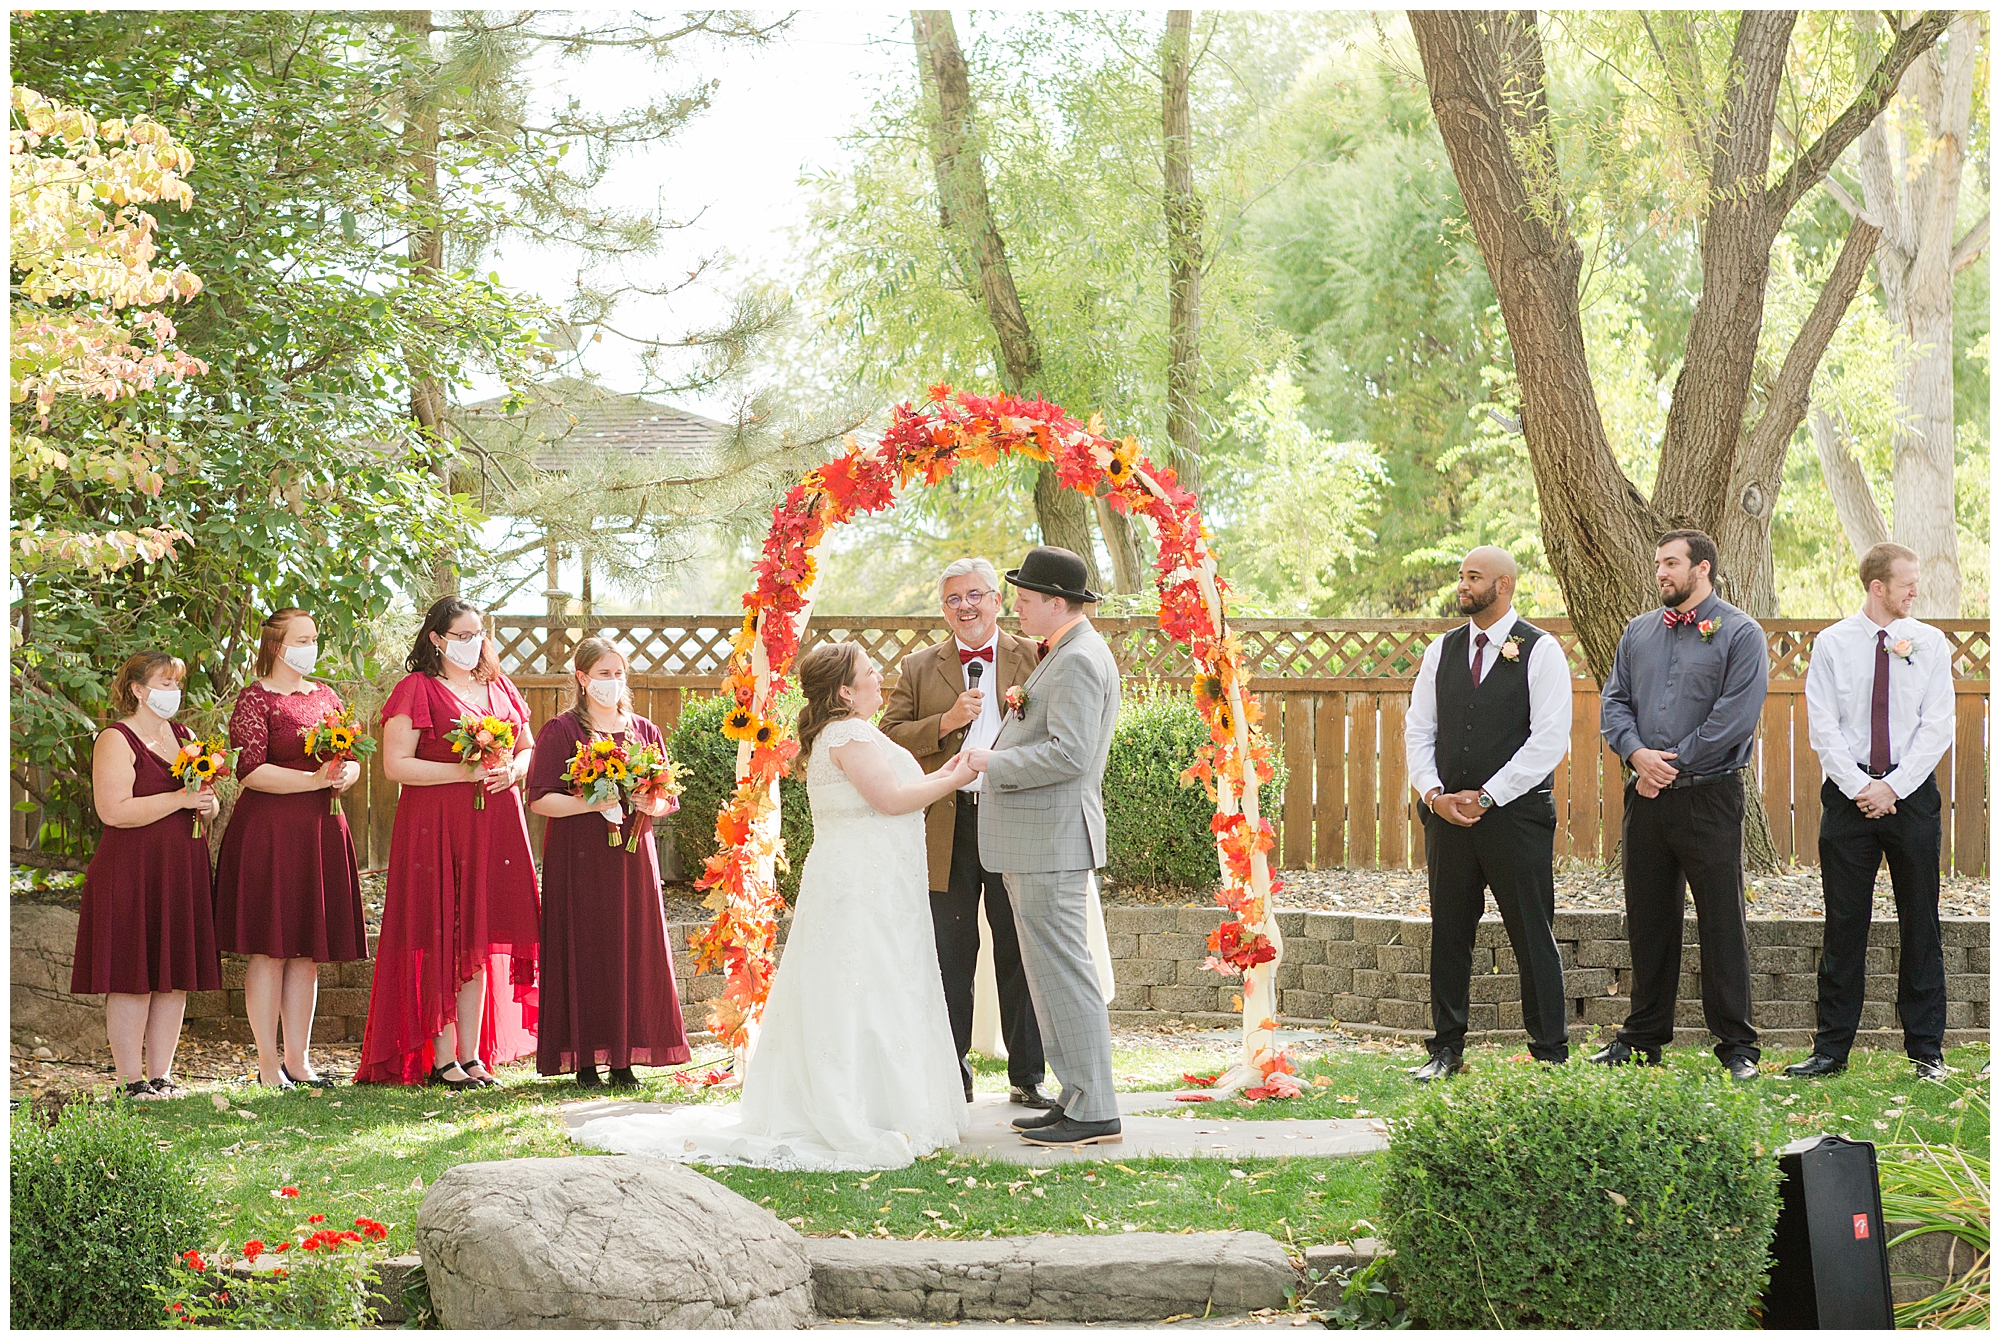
[[97, 1217], [1579, 1196], [707, 764], [1157, 831]]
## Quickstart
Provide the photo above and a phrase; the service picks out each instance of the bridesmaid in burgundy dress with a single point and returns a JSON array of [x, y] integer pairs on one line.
[[607, 975], [147, 935], [287, 890], [454, 990]]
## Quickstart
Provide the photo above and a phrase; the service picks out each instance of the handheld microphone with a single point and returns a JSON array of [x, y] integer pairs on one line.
[[973, 670]]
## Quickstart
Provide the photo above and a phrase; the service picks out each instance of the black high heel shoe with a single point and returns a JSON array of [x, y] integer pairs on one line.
[[484, 1081]]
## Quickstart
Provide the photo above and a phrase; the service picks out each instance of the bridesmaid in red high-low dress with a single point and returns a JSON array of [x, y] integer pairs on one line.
[[287, 888], [147, 934], [608, 993], [454, 992]]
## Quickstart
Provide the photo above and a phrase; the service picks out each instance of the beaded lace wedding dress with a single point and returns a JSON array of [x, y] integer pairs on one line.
[[855, 1065]]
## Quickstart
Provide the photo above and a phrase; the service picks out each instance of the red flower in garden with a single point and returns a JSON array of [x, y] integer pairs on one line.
[[373, 1229], [289, 1192], [315, 1218], [253, 1249], [192, 1260], [282, 1247]]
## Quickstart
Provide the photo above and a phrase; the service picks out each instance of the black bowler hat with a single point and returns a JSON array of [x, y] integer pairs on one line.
[[1054, 572]]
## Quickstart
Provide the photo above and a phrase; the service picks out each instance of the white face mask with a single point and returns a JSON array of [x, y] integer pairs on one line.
[[465, 655], [302, 659], [165, 702], [606, 692]]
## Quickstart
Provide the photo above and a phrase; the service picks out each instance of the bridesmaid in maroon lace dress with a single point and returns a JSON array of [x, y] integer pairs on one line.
[[287, 890], [607, 975], [147, 935], [454, 990]]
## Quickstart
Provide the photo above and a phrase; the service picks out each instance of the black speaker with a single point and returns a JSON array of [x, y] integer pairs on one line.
[[1830, 1268]]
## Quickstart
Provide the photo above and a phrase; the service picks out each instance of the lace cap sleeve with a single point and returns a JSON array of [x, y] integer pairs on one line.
[[250, 730], [846, 730]]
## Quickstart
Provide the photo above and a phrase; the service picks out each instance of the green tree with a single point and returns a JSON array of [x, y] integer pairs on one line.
[[293, 469]]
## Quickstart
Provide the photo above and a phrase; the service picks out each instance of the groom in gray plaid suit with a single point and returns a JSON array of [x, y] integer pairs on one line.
[[1042, 829]]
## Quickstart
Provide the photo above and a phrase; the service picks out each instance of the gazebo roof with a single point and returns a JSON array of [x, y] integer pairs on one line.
[[569, 418]]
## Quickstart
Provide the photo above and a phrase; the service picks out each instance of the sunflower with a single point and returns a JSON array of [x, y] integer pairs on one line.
[[203, 766], [615, 769], [343, 738], [741, 724], [1119, 470], [604, 746], [1210, 686], [768, 733]]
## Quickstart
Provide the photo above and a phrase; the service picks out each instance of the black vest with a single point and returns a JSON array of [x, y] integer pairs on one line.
[[1480, 728]]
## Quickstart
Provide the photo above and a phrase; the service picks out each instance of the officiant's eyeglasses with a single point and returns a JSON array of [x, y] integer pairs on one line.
[[968, 598]]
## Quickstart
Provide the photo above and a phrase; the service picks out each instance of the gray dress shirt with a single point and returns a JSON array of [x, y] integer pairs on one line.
[[1674, 690]]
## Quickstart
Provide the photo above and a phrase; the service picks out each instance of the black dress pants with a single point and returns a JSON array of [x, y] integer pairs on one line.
[[1680, 841], [1851, 850], [1511, 850], [955, 922]]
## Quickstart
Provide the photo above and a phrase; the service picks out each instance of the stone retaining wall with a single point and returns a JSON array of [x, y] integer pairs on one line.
[[1366, 973]]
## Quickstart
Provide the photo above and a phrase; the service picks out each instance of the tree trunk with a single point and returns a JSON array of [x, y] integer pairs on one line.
[[1185, 221], [964, 210], [1853, 500], [1759, 468], [1913, 188], [426, 252], [1488, 94]]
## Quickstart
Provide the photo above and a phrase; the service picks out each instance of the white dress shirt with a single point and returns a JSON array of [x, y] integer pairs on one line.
[[1840, 700], [1548, 713], [984, 729]]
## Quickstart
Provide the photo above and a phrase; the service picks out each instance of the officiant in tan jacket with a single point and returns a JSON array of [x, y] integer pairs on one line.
[[934, 712]]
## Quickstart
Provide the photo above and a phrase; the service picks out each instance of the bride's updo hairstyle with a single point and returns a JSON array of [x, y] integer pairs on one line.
[[823, 673]]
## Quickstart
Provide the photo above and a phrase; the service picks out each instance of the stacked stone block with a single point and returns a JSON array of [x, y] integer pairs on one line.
[[1365, 972]]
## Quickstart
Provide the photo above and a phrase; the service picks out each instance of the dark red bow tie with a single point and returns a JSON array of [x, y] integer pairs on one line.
[[1680, 618], [983, 654], [1042, 649]]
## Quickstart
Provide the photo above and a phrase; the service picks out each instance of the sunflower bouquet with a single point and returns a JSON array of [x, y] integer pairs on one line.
[[600, 770], [654, 777], [477, 739], [199, 764], [337, 737]]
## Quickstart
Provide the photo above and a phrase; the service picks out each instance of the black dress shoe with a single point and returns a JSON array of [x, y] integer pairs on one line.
[[1930, 1067], [437, 1077], [1067, 1134], [587, 1077], [1039, 1121], [1741, 1068], [1619, 1054], [1031, 1095], [623, 1078], [1816, 1066], [1446, 1062]]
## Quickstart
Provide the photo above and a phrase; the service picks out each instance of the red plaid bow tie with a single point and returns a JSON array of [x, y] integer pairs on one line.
[[1680, 618], [983, 654]]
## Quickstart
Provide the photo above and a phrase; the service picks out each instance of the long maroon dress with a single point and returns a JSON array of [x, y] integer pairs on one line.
[[148, 919], [461, 895], [287, 884], [608, 994]]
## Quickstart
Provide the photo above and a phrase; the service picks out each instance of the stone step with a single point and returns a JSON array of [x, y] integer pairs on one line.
[[1132, 1277]]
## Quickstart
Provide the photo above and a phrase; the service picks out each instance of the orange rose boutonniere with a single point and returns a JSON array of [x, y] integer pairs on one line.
[[1510, 650], [1707, 628], [1017, 701], [1903, 647]]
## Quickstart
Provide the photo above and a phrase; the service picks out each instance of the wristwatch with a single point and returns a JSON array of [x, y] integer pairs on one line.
[[1485, 801]]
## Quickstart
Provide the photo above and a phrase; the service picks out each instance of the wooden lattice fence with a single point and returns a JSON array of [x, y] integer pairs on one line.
[[1334, 692]]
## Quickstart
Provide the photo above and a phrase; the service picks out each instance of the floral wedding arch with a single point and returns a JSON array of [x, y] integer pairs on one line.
[[927, 443]]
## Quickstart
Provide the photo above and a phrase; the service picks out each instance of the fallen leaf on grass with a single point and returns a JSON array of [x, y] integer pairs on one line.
[[221, 1102]]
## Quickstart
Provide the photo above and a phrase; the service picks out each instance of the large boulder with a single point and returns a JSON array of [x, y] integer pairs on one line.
[[595, 1241]]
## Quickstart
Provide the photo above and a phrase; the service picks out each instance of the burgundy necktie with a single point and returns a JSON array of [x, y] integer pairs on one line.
[[1878, 713], [1042, 649], [983, 654], [1478, 659]]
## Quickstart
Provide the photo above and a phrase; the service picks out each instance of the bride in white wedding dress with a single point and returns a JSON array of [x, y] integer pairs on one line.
[[855, 1066]]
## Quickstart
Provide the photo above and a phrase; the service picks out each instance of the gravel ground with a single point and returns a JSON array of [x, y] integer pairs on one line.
[[1579, 887]]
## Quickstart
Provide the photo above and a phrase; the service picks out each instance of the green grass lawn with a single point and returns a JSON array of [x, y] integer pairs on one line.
[[372, 1150]]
